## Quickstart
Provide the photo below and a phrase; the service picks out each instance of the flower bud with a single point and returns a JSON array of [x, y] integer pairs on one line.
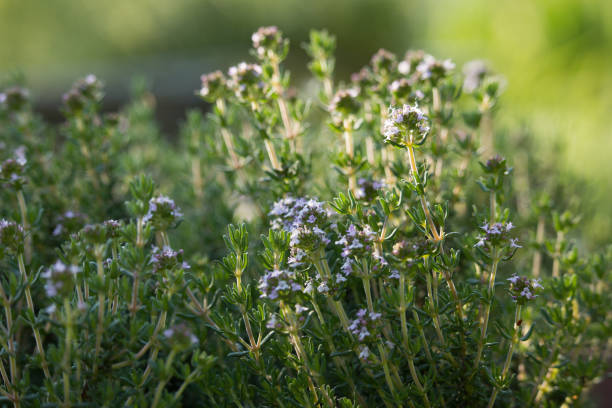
[[523, 289], [268, 42], [365, 326], [405, 126], [345, 103], [12, 237], [246, 81], [180, 336], [434, 70], [14, 98], [383, 62], [60, 279], [214, 86], [163, 213], [280, 284], [167, 260]]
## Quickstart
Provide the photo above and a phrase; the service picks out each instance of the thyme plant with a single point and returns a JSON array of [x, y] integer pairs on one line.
[[351, 243]]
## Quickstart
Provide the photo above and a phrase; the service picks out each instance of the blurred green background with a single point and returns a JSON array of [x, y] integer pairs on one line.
[[555, 54]]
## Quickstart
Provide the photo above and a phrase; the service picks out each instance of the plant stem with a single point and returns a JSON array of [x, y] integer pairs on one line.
[[37, 337], [24, 223], [485, 317], [10, 344], [320, 263], [536, 393], [67, 352], [160, 387], [537, 256], [422, 198], [557, 259], [272, 154], [434, 310], [100, 325], [290, 131], [515, 338], [350, 152]]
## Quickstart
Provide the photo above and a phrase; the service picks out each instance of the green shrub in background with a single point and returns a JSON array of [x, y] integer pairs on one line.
[[390, 256]]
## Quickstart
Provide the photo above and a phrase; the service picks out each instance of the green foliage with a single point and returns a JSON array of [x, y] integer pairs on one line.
[[381, 262]]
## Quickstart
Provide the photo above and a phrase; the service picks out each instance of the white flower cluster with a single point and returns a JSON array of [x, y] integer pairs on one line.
[[267, 41], [304, 219], [367, 188], [279, 284], [59, 278], [364, 326], [244, 78], [163, 213], [433, 69], [181, 335], [167, 259], [497, 235], [408, 121], [523, 289], [213, 85], [356, 243], [345, 102]]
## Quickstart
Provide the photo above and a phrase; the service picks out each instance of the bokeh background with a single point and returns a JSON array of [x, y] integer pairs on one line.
[[556, 56]]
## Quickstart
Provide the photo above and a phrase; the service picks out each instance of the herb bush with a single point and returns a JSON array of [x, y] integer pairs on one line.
[[390, 257]]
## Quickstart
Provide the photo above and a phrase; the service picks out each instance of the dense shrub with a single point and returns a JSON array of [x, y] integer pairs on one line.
[[389, 255]]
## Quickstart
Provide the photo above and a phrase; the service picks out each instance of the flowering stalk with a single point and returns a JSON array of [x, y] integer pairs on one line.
[[320, 262], [557, 255], [537, 391], [11, 347], [100, 326], [537, 256], [422, 198], [290, 128], [513, 341], [350, 152], [484, 321], [67, 352], [227, 136], [434, 310], [338, 362], [24, 222], [37, 337], [301, 352], [160, 387]]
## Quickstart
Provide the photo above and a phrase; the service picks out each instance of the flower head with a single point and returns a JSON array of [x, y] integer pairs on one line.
[[246, 81], [59, 278], [367, 189], [180, 336], [12, 236], [214, 86], [474, 73], [496, 235], [163, 213], [84, 92], [14, 98], [268, 42], [167, 260], [304, 219], [365, 326], [12, 171], [280, 284], [523, 289], [345, 103], [405, 126], [403, 91], [434, 70], [411, 60], [383, 62]]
